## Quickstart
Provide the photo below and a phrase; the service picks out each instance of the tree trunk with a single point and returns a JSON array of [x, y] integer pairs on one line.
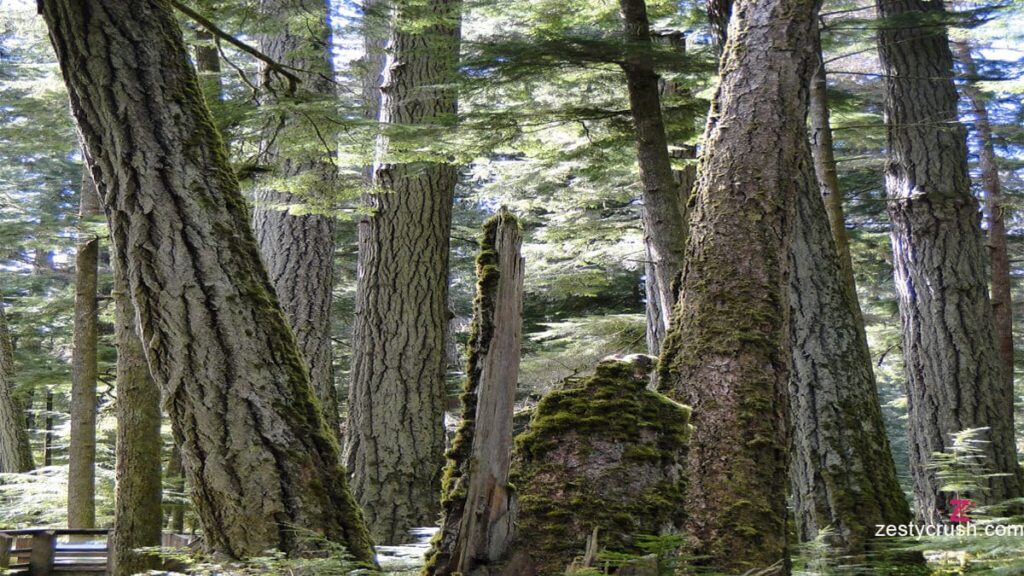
[[82, 449], [208, 64], [823, 152], [138, 489], [48, 431], [954, 377], [999, 257], [842, 472], [15, 451], [728, 351], [298, 249], [176, 475], [263, 467], [664, 211], [395, 444], [477, 499]]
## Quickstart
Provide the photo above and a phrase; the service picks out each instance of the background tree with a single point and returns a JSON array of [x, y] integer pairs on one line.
[[395, 441], [954, 376]]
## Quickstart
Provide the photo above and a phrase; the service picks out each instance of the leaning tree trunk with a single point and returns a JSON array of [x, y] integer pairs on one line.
[[138, 488], [998, 246], [15, 451], [664, 210], [823, 152], [395, 443], [82, 448], [954, 377], [263, 467], [728, 352], [298, 248], [842, 472], [477, 499]]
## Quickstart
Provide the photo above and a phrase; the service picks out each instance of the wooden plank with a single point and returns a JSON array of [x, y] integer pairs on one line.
[[41, 562], [5, 550]]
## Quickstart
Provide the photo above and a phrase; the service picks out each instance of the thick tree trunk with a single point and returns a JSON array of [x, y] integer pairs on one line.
[[15, 451], [395, 444], [842, 472], [954, 377], [728, 351], [298, 249], [477, 499], [999, 257], [263, 467], [137, 513], [82, 449]]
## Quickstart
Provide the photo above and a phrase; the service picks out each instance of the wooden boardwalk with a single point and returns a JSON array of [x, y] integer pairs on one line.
[[47, 551]]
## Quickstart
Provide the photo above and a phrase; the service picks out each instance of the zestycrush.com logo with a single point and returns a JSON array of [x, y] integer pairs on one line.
[[960, 524]]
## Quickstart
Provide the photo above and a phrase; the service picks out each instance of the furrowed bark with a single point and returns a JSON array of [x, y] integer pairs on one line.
[[137, 511], [298, 249], [263, 467], [842, 472], [664, 211], [82, 448], [395, 432], [955, 379], [994, 209], [728, 351], [15, 451], [477, 499]]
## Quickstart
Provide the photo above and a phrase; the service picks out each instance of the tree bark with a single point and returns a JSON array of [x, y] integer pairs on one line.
[[477, 499], [664, 211], [82, 448], [298, 249], [15, 451], [263, 467], [842, 472], [954, 376], [138, 489], [395, 444], [728, 351], [48, 430], [998, 246]]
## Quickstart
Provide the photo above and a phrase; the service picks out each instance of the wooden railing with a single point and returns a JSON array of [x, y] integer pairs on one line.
[[48, 551]]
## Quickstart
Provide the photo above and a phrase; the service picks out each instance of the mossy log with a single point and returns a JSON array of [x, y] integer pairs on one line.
[[605, 454], [477, 500]]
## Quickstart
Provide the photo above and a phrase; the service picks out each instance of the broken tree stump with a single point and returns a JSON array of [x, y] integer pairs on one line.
[[477, 500]]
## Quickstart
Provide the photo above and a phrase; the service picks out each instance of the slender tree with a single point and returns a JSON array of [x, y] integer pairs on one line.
[[395, 443], [82, 449], [263, 467], [954, 376], [994, 209], [664, 211], [138, 489], [727, 353], [15, 451], [298, 248]]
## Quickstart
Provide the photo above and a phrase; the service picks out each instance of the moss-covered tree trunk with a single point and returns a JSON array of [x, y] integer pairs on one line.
[[298, 248], [264, 469], [138, 488], [476, 496], [842, 472], [728, 351], [395, 432], [995, 208], [664, 210], [954, 376], [15, 451], [82, 448]]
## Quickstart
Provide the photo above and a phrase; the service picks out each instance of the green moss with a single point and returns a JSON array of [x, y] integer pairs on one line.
[[627, 438]]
